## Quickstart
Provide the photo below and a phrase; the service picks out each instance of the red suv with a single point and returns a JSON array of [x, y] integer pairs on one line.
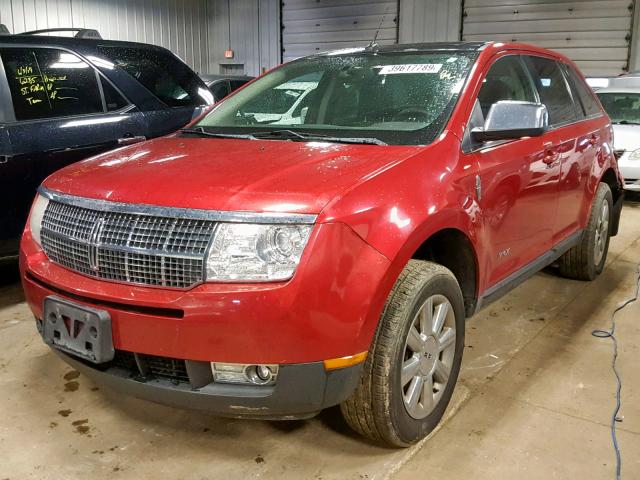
[[319, 237]]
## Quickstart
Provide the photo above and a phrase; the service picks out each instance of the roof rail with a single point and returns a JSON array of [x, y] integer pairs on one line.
[[80, 32], [4, 30]]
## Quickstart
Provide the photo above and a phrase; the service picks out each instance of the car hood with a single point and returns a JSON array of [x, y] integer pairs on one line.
[[227, 174], [626, 137]]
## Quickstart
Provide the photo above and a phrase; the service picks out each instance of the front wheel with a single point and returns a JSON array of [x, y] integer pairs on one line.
[[586, 260], [413, 363]]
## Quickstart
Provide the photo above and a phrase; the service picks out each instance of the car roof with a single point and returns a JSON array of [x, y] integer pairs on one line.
[[71, 42], [406, 47], [431, 46], [444, 47]]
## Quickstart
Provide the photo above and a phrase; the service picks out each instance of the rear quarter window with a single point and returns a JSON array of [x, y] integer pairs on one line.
[[160, 72]]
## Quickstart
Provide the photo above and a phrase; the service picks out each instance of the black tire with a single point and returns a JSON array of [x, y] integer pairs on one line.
[[377, 408], [581, 262]]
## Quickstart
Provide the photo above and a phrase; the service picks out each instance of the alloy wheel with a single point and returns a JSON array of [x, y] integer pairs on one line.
[[428, 356]]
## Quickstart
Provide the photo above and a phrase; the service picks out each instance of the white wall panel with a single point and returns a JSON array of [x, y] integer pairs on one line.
[[179, 25], [269, 26], [312, 26], [596, 34], [254, 35], [430, 20]]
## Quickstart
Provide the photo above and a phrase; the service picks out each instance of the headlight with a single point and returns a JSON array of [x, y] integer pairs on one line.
[[256, 252], [35, 218], [635, 155]]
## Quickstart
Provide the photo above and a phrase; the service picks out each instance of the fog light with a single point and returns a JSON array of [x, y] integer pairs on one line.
[[240, 373], [259, 374]]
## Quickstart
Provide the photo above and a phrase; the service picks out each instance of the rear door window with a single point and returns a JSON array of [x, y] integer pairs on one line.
[[160, 72], [48, 83], [554, 91]]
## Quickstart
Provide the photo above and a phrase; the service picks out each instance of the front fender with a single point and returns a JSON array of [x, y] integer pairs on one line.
[[464, 221], [395, 211]]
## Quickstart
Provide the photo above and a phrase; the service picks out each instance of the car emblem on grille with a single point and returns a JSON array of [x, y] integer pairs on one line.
[[94, 243]]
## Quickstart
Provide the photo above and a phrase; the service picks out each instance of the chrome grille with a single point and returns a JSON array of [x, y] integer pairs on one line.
[[126, 247]]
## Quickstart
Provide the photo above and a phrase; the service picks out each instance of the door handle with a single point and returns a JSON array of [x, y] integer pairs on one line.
[[131, 140], [550, 154]]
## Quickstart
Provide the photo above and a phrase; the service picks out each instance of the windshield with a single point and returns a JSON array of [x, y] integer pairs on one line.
[[279, 100], [397, 98], [622, 107]]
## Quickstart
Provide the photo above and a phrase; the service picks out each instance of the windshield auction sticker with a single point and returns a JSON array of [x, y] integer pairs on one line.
[[411, 68]]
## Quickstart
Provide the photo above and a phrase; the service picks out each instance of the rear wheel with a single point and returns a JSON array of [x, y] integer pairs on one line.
[[586, 260], [413, 363]]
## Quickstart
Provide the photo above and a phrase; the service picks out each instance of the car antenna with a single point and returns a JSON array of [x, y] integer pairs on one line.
[[375, 36]]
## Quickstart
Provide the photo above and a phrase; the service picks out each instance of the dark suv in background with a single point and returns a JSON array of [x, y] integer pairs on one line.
[[223, 85], [64, 99]]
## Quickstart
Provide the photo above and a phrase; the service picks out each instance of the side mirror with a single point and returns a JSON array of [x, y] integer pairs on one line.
[[512, 119]]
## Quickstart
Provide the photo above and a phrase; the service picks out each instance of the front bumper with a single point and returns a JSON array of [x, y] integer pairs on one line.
[[632, 185], [328, 310], [301, 390]]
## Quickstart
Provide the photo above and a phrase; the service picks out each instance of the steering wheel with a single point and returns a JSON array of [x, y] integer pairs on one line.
[[412, 114]]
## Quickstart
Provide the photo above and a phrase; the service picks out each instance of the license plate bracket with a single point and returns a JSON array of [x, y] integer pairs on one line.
[[77, 329]]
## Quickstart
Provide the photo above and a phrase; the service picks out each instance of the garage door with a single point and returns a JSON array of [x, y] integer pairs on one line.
[[312, 26], [596, 34]]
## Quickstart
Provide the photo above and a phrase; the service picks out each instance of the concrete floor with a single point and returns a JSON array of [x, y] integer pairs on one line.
[[534, 400]]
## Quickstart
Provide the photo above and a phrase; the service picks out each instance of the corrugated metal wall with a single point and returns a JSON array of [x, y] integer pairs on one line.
[[430, 20], [254, 38], [596, 34], [269, 25], [634, 57], [179, 25], [312, 26]]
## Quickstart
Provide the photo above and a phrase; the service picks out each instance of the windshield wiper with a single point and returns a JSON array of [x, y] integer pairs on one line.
[[203, 133], [282, 134], [292, 135], [626, 122], [288, 134], [365, 140]]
